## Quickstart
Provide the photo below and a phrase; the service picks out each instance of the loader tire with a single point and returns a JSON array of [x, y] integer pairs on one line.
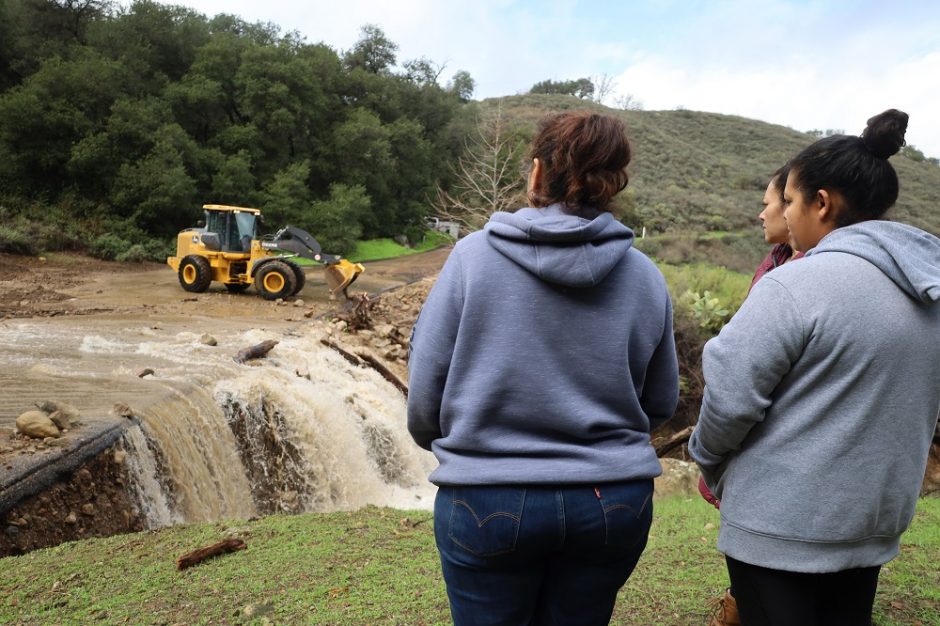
[[195, 273], [236, 287], [300, 275], [275, 280]]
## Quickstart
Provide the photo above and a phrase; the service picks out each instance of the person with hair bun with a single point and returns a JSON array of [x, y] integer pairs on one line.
[[540, 362], [821, 393]]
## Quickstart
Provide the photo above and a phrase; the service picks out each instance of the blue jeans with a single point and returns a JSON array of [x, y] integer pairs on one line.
[[527, 555]]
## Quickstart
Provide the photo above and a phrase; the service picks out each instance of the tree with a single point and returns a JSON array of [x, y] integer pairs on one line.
[[628, 102], [487, 175], [374, 52], [286, 198], [422, 72], [462, 85], [157, 191], [581, 87], [603, 87], [334, 222]]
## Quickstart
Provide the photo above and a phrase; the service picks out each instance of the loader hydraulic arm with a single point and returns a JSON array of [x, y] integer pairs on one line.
[[299, 242], [340, 273]]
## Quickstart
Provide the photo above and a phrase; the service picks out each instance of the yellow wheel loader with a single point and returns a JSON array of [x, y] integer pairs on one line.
[[228, 250]]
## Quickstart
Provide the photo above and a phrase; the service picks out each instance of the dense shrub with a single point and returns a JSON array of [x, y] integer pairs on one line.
[[108, 247], [15, 241]]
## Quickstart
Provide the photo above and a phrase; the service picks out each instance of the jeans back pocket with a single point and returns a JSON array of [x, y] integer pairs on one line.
[[628, 511], [485, 520]]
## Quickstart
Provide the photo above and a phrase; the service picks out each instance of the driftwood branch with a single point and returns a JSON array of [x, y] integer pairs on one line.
[[349, 356], [676, 440], [198, 556], [256, 351], [364, 358], [385, 372]]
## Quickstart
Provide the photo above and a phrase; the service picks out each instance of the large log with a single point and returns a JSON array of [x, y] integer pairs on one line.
[[256, 351], [676, 440], [198, 556], [384, 371], [364, 358]]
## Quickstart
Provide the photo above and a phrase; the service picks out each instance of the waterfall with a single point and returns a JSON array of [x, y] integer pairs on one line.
[[299, 430]]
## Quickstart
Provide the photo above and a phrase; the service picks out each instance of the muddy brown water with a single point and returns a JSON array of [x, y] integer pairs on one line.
[[299, 430]]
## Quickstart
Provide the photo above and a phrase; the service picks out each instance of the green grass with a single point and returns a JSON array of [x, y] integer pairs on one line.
[[379, 566], [377, 249]]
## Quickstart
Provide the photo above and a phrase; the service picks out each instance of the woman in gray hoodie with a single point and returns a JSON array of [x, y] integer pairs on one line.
[[821, 393], [540, 362]]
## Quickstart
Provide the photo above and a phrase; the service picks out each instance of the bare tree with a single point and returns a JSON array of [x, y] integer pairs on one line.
[[487, 175], [628, 102], [603, 87]]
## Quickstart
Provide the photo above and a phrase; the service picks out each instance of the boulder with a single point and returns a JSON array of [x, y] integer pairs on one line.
[[36, 424], [66, 409], [61, 420], [678, 478], [208, 340]]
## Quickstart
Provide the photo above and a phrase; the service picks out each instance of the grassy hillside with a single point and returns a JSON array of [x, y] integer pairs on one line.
[[696, 171], [380, 566]]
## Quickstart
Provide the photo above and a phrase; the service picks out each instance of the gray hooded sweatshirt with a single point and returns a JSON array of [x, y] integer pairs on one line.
[[543, 355], [821, 397]]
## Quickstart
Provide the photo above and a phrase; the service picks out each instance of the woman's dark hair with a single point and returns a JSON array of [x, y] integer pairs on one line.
[[855, 167], [779, 179], [583, 158]]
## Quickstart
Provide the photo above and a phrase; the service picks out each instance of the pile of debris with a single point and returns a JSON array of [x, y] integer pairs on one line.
[[381, 325]]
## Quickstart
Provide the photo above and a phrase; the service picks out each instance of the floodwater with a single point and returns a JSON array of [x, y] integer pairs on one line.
[[298, 430]]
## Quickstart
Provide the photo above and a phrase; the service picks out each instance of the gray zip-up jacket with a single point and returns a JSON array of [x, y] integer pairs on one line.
[[821, 397], [543, 354]]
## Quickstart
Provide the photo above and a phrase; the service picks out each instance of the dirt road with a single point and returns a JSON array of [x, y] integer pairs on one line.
[[65, 284]]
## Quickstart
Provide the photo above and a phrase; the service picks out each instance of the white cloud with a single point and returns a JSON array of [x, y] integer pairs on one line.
[[803, 97]]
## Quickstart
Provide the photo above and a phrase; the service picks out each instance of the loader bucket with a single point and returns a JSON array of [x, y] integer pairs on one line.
[[341, 275]]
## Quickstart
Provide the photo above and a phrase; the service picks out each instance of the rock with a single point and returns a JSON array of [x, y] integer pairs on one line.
[[208, 340], [254, 611], [88, 508], [71, 518], [66, 409], [145, 372], [60, 419], [122, 410], [298, 302], [384, 330], [36, 424], [678, 478], [119, 457], [308, 313]]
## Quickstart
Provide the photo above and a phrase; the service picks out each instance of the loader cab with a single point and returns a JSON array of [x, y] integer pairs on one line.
[[236, 227]]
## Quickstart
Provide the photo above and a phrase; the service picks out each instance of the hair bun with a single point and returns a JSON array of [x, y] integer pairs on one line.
[[884, 134]]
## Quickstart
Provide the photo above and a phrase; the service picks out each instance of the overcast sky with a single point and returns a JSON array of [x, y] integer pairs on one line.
[[807, 64]]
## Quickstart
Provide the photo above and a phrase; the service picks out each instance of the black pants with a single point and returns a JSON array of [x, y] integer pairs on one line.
[[769, 597]]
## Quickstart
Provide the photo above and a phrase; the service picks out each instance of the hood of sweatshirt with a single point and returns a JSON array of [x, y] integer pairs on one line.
[[907, 255], [558, 247]]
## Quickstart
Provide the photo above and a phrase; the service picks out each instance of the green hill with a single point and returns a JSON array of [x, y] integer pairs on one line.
[[701, 173]]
